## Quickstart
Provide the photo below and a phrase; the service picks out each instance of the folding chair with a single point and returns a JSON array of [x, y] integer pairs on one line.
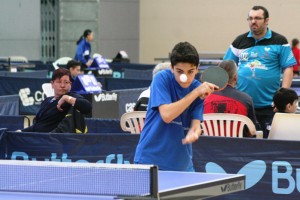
[[133, 121]]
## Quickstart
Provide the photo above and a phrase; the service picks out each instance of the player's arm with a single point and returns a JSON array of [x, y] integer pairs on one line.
[[169, 112], [287, 77], [194, 132]]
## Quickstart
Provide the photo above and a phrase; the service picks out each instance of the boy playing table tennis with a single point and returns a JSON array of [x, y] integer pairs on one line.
[[174, 113]]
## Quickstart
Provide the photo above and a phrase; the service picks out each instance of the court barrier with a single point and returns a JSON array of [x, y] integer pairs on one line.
[[26, 74], [271, 173], [13, 123], [9, 105], [103, 126]]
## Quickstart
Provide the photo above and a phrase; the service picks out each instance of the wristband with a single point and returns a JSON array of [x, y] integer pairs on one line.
[[69, 99]]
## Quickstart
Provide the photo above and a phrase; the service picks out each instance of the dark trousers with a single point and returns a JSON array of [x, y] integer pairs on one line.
[[264, 116]]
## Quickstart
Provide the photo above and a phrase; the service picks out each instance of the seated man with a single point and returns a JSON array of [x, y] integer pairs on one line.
[[231, 100], [54, 109], [142, 102]]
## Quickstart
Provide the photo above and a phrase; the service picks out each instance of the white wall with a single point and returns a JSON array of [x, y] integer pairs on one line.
[[20, 28], [210, 25]]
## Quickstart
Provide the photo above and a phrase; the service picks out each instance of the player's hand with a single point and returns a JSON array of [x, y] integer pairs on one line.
[[206, 89], [60, 103], [191, 136], [89, 63]]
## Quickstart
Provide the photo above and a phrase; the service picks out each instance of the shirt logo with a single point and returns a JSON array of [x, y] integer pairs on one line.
[[244, 57]]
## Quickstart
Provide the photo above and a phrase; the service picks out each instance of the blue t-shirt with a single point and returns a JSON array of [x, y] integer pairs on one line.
[[161, 143], [260, 63]]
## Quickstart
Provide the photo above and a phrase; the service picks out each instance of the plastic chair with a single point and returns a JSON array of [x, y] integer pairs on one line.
[[47, 89], [61, 61], [285, 126], [133, 121], [226, 125]]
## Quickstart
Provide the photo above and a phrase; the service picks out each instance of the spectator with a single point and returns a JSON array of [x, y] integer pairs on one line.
[[74, 68], [231, 100], [296, 52], [83, 51], [54, 109], [142, 102], [285, 100], [174, 113], [261, 55]]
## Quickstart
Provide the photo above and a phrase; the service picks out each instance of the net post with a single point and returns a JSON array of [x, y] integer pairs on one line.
[[154, 182]]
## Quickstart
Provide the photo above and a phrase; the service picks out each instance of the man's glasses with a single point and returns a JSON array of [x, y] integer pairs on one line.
[[250, 19]]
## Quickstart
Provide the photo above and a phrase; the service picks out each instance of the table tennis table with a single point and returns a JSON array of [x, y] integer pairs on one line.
[[162, 184]]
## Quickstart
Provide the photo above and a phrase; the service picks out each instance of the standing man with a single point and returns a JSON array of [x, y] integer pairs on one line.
[[261, 55]]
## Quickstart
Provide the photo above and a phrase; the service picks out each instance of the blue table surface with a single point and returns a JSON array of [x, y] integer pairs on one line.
[[167, 181]]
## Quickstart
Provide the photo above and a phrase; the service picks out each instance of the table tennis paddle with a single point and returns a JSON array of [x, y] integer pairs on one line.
[[215, 75]]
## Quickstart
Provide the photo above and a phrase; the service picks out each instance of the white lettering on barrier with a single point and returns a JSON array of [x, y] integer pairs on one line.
[[106, 97], [129, 107], [27, 100], [111, 158], [286, 175]]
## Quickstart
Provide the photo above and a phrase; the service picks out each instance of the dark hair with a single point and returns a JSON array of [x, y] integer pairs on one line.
[[86, 33], [230, 67], [58, 73], [283, 97], [184, 52], [266, 13], [295, 42], [73, 64]]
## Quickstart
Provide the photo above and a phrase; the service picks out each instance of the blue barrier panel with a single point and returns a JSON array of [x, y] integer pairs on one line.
[[29, 90], [12, 123], [128, 99], [271, 166], [9, 105], [27, 74], [99, 126], [64, 147]]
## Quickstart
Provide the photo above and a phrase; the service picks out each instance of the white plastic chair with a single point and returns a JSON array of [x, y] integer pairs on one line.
[[61, 61], [226, 125], [285, 126], [47, 89], [133, 122]]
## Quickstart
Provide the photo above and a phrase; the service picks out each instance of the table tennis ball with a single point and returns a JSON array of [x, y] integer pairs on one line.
[[183, 78]]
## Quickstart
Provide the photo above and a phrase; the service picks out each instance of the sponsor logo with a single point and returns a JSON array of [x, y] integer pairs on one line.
[[129, 107], [284, 179], [231, 187], [28, 100], [105, 71], [106, 97], [244, 56], [253, 171], [111, 158]]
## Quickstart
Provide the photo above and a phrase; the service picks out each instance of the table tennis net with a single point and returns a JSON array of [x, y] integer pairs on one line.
[[75, 178]]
